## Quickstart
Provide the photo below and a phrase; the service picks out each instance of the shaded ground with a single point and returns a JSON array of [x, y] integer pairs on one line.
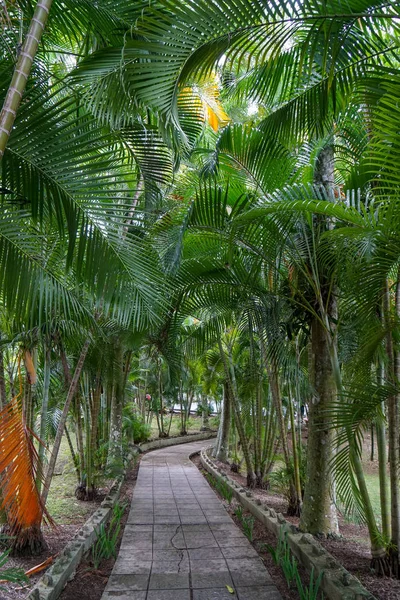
[[69, 514]]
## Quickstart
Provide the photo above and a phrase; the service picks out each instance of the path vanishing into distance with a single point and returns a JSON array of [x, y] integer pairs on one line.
[[180, 543]]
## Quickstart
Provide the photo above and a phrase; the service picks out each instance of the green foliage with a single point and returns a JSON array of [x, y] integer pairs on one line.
[[133, 426], [283, 557], [238, 512], [11, 574], [221, 486], [200, 410], [215, 421], [312, 591], [248, 526], [107, 537], [247, 522], [281, 477]]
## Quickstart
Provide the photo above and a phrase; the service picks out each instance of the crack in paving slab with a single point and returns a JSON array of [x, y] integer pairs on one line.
[[180, 550]]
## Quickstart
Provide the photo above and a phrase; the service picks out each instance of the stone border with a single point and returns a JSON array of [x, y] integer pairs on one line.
[[51, 584], [174, 441], [337, 583]]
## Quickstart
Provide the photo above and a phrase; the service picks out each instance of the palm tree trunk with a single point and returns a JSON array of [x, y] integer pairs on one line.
[[272, 370], [3, 395], [225, 426], [79, 436], [316, 513], [256, 439], [75, 459], [45, 405], [295, 452], [60, 430], [183, 429], [205, 425], [382, 462], [95, 412], [393, 430], [231, 379], [22, 71]]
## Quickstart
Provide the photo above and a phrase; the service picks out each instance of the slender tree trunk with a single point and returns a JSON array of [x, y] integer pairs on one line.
[[77, 406], [393, 430], [258, 441], [255, 439], [225, 427], [272, 370], [270, 446], [183, 427], [88, 490], [231, 378], [316, 513], [170, 422], [75, 459], [382, 462], [115, 452], [22, 71], [205, 425], [3, 394], [296, 464], [372, 442], [45, 405], [92, 420], [60, 430], [115, 446], [383, 479]]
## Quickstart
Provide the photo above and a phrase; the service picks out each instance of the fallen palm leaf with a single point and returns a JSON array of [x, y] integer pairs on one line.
[[43, 565]]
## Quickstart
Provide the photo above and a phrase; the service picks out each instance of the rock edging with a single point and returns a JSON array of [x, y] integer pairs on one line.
[[50, 586], [337, 583], [174, 441]]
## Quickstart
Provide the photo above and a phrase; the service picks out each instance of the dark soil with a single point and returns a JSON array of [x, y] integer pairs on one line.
[[89, 583], [56, 539], [351, 549]]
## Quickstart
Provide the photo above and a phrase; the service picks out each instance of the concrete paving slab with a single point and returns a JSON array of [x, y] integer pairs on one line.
[[168, 595], [211, 579], [256, 593], [213, 594]]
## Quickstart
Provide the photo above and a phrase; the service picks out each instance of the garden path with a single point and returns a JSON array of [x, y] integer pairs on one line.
[[180, 543]]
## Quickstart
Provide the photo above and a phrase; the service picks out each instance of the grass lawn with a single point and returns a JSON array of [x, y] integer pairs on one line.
[[61, 503], [193, 425]]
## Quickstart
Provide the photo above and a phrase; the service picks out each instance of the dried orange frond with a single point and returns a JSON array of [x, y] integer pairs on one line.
[[19, 469]]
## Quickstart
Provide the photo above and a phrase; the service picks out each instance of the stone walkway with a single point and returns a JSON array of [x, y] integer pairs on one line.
[[180, 543]]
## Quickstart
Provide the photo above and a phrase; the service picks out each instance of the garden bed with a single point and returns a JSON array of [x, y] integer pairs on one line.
[[69, 515], [89, 582], [351, 549]]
